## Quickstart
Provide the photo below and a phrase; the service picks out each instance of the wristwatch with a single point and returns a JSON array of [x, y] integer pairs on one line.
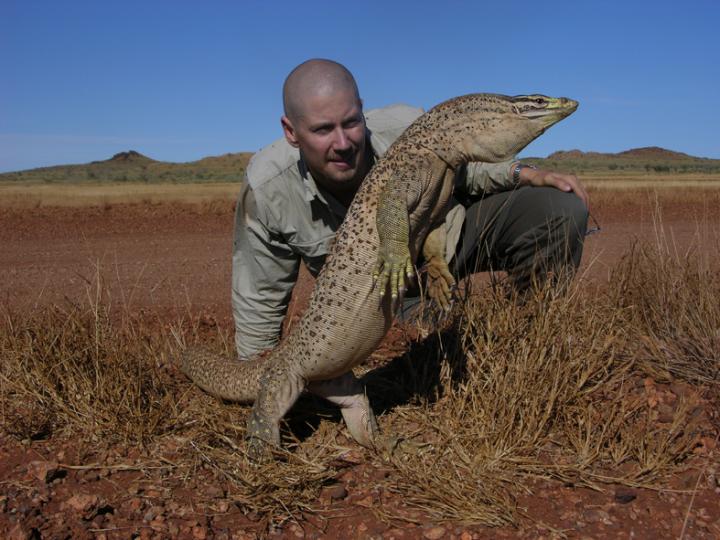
[[516, 171]]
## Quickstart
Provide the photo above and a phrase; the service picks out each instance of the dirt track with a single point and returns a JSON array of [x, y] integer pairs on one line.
[[171, 257]]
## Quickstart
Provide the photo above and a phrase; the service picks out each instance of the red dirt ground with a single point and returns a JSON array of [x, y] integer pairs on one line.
[[169, 258]]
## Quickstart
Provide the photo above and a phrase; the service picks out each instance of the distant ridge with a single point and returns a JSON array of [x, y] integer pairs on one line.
[[647, 152], [130, 155], [645, 159], [132, 166]]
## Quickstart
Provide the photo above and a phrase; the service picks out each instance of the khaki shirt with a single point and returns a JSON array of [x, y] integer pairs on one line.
[[283, 217]]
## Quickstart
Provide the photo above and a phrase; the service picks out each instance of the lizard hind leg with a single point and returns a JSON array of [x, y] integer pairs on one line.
[[348, 393]]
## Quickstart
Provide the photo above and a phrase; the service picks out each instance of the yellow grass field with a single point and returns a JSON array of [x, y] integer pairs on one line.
[[17, 195]]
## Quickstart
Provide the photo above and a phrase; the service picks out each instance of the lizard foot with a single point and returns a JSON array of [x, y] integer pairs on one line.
[[393, 267], [440, 282]]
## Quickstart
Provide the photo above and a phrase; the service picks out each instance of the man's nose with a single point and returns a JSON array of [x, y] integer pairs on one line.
[[341, 141]]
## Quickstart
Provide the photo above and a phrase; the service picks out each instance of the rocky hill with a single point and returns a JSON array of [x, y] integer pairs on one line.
[[132, 166], [648, 159]]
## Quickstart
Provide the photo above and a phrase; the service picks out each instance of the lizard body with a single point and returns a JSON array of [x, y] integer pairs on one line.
[[402, 200]]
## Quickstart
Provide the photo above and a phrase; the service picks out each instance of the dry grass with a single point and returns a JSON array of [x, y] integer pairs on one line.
[[18, 195], [686, 187], [552, 389]]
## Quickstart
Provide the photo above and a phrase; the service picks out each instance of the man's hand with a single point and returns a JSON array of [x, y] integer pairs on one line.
[[561, 181]]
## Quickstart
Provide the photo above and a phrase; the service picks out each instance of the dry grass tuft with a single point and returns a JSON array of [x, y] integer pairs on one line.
[[559, 388]]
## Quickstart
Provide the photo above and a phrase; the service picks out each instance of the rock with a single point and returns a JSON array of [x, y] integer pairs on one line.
[[625, 495], [84, 504], [665, 413], [45, 471], [596, 515], [336, 492], [215, 492], [434, 533], [199, 532], [20, 532], [135, 504], [367, 502]]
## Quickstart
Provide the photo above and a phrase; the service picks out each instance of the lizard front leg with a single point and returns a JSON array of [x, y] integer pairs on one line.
[[394, 262]]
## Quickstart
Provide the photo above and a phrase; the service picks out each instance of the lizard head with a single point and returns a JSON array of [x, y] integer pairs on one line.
[[494, 127]]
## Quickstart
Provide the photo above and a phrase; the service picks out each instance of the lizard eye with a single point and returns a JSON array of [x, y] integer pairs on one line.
[[540, 101]]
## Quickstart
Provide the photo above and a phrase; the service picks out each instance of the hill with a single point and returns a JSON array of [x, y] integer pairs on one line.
[[132, 166], [644, 160]]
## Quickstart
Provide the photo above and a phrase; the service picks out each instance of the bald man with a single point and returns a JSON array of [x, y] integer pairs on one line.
[[508, 216]]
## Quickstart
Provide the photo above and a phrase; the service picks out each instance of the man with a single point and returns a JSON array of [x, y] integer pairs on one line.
[[297, 190]]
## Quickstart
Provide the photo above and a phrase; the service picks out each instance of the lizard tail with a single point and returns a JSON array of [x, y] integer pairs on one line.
[[222, 377]]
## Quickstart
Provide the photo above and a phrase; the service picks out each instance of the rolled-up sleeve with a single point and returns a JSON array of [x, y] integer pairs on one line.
[[479, 177], [264, 271]]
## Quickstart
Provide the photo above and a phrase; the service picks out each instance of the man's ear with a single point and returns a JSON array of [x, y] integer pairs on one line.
[[289, 131]]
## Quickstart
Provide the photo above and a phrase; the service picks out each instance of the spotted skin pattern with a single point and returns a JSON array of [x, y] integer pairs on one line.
[[404, 197]]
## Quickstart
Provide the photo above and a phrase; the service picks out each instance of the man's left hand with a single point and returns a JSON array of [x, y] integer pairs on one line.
[[561, 181]]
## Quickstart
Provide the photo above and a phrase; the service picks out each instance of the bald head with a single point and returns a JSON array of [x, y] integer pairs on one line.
[[317, 77]]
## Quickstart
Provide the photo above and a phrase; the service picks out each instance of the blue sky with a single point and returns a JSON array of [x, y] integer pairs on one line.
[[180, 80]]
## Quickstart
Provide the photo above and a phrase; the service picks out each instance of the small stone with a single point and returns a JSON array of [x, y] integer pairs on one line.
[[367, 502], [19, 532], [149, 515], [45, 471], [199, 532], [596, 515], [83, 503], [434, 533], [665, 413], [158, 524], [215, 492], [625, 495], [336, 492], [135, 504], [466, 536]]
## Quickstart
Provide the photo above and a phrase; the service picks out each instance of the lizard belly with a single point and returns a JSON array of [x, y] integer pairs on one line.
[[346, 318]]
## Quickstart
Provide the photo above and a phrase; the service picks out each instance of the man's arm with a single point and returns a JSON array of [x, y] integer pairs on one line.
[[264, 273], [489, 177], [542, 177]]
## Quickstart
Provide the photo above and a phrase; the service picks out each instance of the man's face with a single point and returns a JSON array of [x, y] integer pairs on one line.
[[330, 133]]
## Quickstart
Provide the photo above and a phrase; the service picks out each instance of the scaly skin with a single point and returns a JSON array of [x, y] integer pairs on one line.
[[402, 199]]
